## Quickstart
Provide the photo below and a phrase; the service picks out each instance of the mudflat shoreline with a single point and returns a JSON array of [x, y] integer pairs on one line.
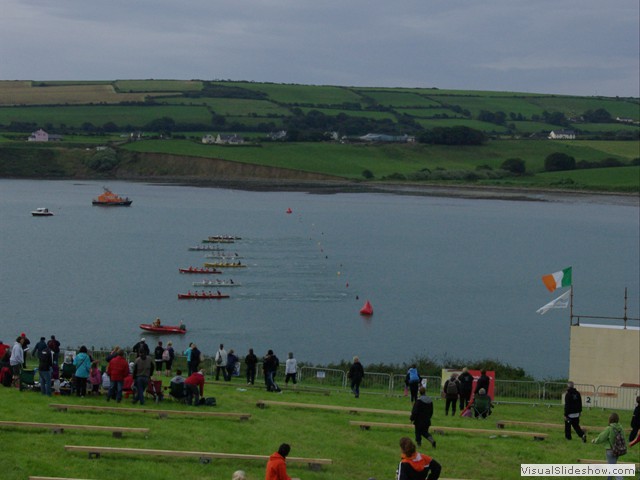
[[325, 187]]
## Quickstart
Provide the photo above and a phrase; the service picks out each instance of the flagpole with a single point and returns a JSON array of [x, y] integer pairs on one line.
[[625, 308], [571, 306]]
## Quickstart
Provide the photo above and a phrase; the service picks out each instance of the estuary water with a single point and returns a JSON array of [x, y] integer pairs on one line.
[[447, 277]]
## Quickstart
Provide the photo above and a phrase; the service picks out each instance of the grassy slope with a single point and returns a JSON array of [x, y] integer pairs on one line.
[[350, 161], [356, 454]]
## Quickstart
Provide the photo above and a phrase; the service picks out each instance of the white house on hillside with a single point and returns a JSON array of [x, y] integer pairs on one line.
[[224, 139], [39, 136], [562, 135]]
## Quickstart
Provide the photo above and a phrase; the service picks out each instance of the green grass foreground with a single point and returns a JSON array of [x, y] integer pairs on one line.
[[356, 454]]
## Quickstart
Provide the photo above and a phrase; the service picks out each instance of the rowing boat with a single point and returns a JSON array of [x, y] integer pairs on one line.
[[224, 265], [216, 283], [198, 270], [163, 328], [201, 295]]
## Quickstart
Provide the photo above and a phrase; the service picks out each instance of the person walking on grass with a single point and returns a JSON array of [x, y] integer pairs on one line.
[[355, 375], [635, 424], [613, 439], [421, 414], [572, 410], [412, 381]]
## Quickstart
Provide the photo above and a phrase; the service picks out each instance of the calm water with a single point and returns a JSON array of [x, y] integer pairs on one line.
[[447, 277]]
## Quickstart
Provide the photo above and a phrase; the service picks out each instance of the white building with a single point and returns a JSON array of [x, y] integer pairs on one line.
[[562, 135]]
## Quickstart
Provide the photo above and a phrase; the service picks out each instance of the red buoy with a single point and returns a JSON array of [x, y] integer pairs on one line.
[[289, 210], [367, 309]]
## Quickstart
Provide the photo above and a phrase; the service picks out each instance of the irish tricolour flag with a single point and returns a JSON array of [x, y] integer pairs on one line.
[[558, 279]]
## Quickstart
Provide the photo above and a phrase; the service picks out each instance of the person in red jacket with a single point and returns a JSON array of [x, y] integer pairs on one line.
[[194, 387], [414, 465], [276, 466], [118, 369]]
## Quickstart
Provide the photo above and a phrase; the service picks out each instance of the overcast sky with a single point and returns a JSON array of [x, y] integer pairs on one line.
[[577, 47]]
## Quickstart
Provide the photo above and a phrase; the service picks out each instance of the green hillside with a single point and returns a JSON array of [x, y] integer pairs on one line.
[[323, 126]]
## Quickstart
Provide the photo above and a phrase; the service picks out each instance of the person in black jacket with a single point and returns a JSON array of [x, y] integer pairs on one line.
[[356, 374], [465, 384], [635, 421], [45, 364], [572, 410], [421, 414], [251, 360], [483, 382]]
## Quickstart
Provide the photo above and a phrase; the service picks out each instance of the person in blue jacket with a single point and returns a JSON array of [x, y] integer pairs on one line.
[[82, 362]]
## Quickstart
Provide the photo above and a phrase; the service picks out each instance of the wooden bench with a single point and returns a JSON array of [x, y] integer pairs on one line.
[[160, 413], [354, 410], [33, 477], [504, 423], [588, 460], [61, 427], [205, 457], [442, 430]]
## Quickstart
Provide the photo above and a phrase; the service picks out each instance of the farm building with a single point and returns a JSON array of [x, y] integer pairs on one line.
[[562, 135], [380, 137], [42, 136], [233, 139]]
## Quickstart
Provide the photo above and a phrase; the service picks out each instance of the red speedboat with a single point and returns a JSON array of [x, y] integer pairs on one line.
[[199, 270], [181, 329], [201, 295]]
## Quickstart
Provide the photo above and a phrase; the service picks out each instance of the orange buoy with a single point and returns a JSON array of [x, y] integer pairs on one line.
[[367, 309]]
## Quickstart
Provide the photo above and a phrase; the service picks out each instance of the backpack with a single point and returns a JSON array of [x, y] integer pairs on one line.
[[619, 446], [208, 401], [166, 355], [413, 375], [452, 388]]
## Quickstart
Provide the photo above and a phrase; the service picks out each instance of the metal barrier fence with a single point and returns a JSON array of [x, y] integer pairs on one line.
[[517, 389], [322, 377], [511, 391], [553, 393], [623, 398], [375, 382]]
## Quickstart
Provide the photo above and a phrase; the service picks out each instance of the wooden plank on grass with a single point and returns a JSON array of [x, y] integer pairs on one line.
[[368, 425], [61, 427], [263, 403], [161, 413], [504, 423], [205, 457]]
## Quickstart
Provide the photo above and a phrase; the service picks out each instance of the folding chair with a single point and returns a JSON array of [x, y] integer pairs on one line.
[[27, 380], [154, 389]]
